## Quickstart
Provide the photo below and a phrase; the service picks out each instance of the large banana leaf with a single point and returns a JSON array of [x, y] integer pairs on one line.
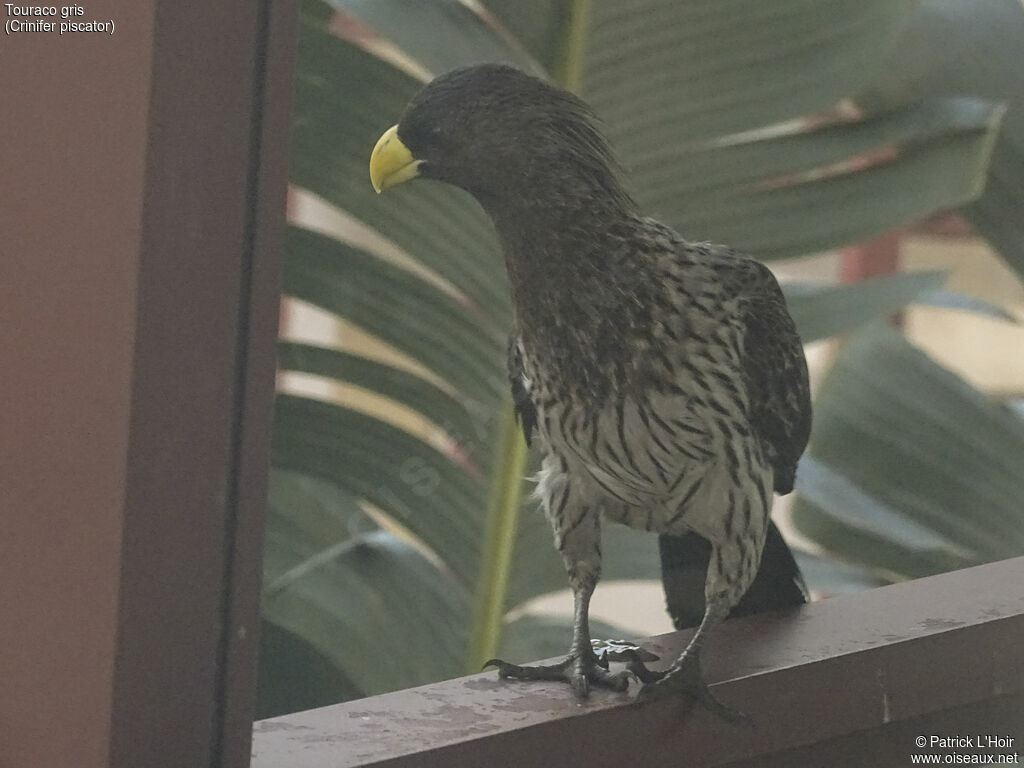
[[684, 87], [660, 71], [441, 34], [910, 469], [380, 548], [314, 548], [956, 47], [820, 312]]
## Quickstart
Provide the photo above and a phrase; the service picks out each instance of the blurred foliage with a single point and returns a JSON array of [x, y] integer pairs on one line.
[[738, 121]]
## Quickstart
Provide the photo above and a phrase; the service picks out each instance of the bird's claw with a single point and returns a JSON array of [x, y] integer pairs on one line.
[[579, 672], [682, 679]]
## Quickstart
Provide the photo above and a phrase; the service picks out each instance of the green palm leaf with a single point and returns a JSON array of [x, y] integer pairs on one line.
[[910, 470], [390, 549], [955, 47]]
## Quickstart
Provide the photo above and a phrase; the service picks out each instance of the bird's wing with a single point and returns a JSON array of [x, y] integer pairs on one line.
[[525, 411], [775, 373]]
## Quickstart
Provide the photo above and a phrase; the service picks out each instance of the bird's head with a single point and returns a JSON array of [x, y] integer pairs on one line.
[[500, 134]]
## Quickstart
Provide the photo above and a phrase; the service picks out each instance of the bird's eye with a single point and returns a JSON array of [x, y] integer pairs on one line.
[[438, 137]]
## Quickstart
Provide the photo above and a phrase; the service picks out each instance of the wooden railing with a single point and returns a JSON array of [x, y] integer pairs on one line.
[[854, 680]]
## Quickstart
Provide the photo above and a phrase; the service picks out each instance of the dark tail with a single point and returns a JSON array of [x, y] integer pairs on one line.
[[684, 565]]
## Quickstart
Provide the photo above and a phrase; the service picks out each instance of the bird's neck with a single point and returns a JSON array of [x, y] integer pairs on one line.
[[550, 238], [572, 267]]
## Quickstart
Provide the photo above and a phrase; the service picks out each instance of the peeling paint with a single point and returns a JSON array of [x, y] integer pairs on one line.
[[886, 709], [937, 624]]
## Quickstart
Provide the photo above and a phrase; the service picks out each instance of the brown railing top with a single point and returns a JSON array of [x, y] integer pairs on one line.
[[806, 676]]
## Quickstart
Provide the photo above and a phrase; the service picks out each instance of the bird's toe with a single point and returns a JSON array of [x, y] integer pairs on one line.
[[687, 680], [581, 675]]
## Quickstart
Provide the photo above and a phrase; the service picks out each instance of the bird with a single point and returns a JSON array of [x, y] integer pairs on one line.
[[663, 380]]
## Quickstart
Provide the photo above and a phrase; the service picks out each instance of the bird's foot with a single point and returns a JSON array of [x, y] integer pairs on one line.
[[579, 670], [683, 677]]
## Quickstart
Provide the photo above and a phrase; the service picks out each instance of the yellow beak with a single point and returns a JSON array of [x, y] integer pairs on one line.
[[391, 162]]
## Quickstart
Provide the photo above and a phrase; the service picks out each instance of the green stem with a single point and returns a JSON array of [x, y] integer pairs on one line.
[[570, 71], [499, 542]]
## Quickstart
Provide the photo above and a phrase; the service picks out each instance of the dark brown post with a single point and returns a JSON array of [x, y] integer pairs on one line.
[[142, 180]]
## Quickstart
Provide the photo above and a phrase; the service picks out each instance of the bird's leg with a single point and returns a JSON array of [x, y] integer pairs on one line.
[[581, 667], [685, 675], [731, 569], [581, 549]]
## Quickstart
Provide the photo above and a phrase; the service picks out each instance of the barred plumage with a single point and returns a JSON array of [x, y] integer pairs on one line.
[[701, 427], [664, 380]]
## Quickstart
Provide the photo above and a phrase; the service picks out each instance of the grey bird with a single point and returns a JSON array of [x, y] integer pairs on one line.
[[664, 379]]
